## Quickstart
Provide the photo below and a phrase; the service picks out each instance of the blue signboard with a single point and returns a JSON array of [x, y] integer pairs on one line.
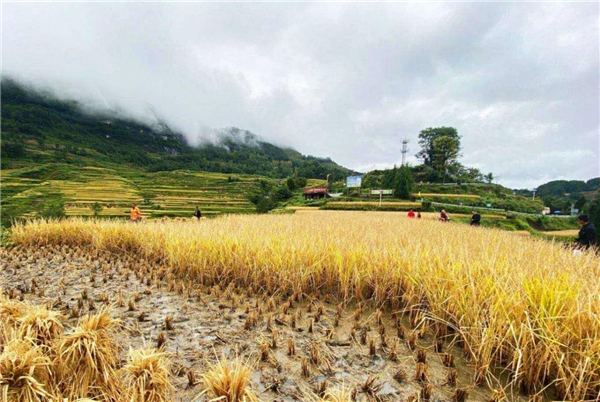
[[353, 181]]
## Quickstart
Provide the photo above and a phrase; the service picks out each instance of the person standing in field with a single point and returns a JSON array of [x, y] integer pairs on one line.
[[419, 215], [197, 214], [411, 214], [135, 215], [475, 219], [587, 234], [444, 216]]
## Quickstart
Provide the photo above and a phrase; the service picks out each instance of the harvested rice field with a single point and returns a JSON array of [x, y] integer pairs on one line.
[[293, 347], [367, 306]]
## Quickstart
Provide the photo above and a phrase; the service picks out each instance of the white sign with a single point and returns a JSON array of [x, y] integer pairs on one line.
[[382, 192]]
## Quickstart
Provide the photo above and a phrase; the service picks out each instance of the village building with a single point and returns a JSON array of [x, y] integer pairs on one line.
[[315, 193]]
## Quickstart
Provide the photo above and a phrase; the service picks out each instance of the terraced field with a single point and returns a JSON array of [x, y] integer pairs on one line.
[[435, 195], [406, 204], [160, 194], [371, 205]]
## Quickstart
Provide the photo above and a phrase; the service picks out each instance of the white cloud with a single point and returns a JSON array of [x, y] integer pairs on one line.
[[520, 82]]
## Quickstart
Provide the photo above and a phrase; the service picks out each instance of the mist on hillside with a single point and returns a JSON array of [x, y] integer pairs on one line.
[[101, 108]]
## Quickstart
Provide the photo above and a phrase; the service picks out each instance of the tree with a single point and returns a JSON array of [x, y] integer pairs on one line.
[[548, 202], [592, 184], [53, 209], [446, 150], [291, 184], [266, 196], [13, 150], [424, 173], [580, 203], [388, 180], [281, 193], [404, 183], [372, 179], [489, 177], [300, 182], [440, 147], [465, 174], [97, 208], [566, 207]]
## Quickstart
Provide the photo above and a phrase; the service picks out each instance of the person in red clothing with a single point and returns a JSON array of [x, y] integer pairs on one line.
[[411, 214], [444, 216]]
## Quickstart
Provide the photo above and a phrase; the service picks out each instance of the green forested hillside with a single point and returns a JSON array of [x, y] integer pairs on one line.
[[37, 128], [561, 195], [560, 188]]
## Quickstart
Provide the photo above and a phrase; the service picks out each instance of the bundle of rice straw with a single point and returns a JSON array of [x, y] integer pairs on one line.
[[147, 376], [25, 373], [87, 359], [229, 382]]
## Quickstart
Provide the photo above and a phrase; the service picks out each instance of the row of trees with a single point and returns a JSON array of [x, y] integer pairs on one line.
[[399, 179]]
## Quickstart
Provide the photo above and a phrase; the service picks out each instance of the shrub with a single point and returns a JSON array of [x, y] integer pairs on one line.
[[53, 209]]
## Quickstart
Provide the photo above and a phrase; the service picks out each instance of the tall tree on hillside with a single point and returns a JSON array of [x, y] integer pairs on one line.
[[388, 179], [440, 147], [404, 183], [446, 150]]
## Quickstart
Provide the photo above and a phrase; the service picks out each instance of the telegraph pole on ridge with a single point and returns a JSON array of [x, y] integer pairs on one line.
[[404, 150]]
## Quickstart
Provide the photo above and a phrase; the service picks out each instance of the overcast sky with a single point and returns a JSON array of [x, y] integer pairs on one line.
[[520, 82]]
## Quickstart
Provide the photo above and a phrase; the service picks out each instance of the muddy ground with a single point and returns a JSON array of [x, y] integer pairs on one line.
[[215, 322]]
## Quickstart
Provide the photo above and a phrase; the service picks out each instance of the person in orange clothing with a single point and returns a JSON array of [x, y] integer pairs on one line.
[[135, 214]]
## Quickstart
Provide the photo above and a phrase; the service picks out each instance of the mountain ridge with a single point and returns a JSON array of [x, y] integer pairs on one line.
[[38, 126]]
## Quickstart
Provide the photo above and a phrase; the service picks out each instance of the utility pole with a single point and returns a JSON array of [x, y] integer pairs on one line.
[[404, 150], [534, 190]]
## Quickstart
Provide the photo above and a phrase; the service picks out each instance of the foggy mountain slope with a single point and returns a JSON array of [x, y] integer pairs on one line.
[[39, 128]]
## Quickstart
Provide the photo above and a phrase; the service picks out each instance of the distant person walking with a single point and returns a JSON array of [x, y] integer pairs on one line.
[[444, 216], [475, 219], [587, 234], [135, 215], [197, 214], [411, 214]]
